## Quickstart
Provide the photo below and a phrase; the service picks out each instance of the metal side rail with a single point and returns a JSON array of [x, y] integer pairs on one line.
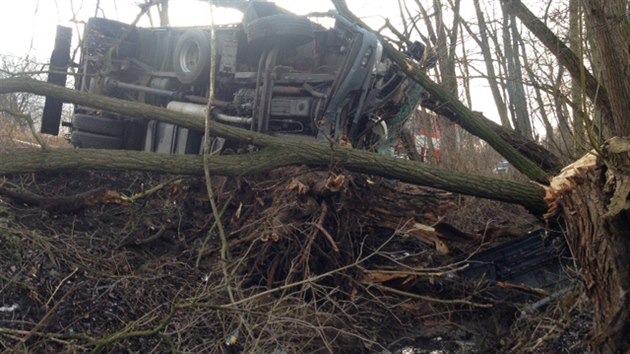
[[537, 260]]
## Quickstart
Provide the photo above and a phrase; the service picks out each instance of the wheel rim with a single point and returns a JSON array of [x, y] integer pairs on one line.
[[190, 57]]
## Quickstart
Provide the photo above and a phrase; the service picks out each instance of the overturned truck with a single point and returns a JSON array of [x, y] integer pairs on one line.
[[276, 73]]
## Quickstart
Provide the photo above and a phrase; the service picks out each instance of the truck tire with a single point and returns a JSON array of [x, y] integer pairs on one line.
[[98, 125], [283, 30], [191, 57], [95, 141]]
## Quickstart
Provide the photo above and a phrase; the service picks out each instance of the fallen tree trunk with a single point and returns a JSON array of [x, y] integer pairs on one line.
[[313, 154], [592, 197], [275, 152], [65, 204]]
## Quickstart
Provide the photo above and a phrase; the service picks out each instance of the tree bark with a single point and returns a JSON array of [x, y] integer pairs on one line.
[[163, 11], [279, 153], [575, 36], [65, 204], [592, 198], [608, 25], [515, 89], [446, 41], [563, 121]]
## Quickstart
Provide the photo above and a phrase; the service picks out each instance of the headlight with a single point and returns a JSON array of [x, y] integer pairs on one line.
[[366, 57]]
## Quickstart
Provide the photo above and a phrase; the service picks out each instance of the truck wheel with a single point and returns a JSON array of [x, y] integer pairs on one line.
[[284, 30], [191, 58], [95, 141], [98, 125]]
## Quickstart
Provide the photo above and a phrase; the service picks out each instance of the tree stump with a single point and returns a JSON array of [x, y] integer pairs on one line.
[[591, 196]]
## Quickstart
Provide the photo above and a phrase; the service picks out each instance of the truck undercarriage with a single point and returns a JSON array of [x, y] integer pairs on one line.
[[277, 73]]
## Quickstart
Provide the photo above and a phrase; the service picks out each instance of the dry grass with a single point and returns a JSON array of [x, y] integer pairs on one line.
[[147, 277], [13, 136], [130, 278]]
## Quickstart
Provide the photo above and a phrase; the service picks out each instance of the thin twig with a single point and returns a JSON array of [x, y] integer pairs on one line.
[[44, 321], [206, 147], [31, 125], [20, 332], [313, 278], [102, 343], [151, 238], [202, 249], [59, 286], [320, 227], [149, 192], [432, 299]]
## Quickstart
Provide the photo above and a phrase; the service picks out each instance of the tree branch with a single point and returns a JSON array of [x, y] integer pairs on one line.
[[437, 99], [275, 152], [313, 154]]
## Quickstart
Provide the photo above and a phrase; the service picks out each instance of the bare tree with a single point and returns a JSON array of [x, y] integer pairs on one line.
[[11, 66], [575, 37], [484, 45], [514, 80], [594, 203]]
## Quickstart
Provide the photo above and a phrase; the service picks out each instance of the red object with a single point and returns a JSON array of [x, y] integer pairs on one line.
[[420, 139]]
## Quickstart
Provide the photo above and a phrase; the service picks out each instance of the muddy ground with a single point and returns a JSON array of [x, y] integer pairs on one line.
[[299, 270]]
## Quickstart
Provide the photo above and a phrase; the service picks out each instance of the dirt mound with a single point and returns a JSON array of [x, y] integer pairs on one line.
[[312, 261]]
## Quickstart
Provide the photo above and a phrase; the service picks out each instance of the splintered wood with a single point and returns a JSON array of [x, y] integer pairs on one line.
[[591, 197]]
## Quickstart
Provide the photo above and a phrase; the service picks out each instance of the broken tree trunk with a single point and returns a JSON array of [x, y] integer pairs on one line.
[[272, 157], [65, 204], [591, 196], [274, 152]]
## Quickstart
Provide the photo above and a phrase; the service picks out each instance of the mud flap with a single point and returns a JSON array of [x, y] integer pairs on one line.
[[59, 62]]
